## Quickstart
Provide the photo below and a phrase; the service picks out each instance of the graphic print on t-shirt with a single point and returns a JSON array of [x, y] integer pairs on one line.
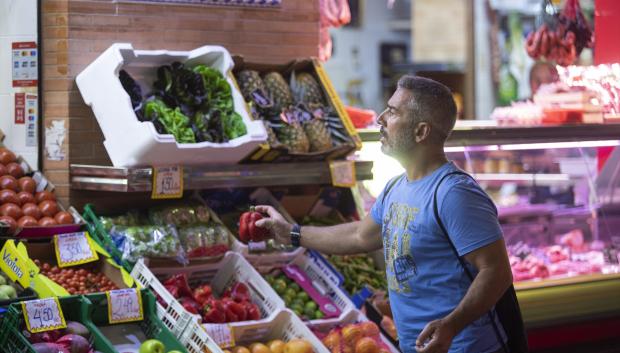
[[400, 265]]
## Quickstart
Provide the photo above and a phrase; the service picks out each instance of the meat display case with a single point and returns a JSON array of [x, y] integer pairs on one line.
[[555, 189]]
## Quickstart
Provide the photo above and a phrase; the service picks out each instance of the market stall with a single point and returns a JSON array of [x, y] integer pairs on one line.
[[172, 121]]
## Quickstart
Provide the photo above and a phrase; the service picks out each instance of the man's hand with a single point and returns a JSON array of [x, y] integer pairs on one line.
[[278, 227], [436, 337]]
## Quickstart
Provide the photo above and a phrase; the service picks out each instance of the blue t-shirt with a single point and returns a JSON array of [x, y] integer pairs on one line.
[[425, 279]]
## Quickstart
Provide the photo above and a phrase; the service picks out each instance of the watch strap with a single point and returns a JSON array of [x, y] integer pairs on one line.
[[296, 235]]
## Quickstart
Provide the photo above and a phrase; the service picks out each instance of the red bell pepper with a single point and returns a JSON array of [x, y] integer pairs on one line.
[[174, 290], [213, 312], [180, 281], [190, 305], [202, 294], [237, 309], [253, 313], [240, 292], [208, 251], [248, 231]]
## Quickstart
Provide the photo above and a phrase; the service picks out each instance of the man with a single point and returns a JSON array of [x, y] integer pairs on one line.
[[542, 73], [436, 307]]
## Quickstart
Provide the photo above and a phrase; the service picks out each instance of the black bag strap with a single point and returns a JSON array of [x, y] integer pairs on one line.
[[456, 253]]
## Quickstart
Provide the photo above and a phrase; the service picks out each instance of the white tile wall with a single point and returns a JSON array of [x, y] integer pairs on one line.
[[18, 23]]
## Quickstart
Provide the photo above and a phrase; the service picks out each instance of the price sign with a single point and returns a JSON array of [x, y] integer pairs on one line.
[[167, 182], [342, 173], [124, 305], [222, 334], [74, 249], [43, 315]]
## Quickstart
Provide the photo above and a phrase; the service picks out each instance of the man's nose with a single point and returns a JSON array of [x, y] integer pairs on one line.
[[380, 118]]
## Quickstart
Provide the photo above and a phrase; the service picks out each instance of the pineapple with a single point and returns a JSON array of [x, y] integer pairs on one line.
[[250, 81], [278, 90], [271, 135], [293, 136], [318, 135], [307, 90]]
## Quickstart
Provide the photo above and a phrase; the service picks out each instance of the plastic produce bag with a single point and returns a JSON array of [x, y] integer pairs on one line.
[[130, 219], [361, 337], [560, 38], [147, 241], [203, 240], [180, 215]]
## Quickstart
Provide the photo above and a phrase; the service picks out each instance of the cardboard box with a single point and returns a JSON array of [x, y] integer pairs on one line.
[[279, 153]]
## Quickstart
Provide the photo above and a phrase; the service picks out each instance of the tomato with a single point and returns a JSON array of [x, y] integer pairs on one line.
[[44, 195]]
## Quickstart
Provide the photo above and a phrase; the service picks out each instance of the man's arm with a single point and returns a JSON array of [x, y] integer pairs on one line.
[[348, 238], [493, 278]]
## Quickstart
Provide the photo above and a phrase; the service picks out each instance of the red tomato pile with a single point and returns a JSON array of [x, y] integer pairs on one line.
[[20, 204], [77, 281]]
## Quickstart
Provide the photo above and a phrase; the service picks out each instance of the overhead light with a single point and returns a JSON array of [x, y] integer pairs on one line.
[[554, 145]]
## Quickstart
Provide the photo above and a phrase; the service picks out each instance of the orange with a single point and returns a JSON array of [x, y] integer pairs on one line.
[[276, 346], [259, 348], [298, 346], [366, 345]]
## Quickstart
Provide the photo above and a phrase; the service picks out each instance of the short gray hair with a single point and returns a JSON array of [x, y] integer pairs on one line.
[[432, 102]]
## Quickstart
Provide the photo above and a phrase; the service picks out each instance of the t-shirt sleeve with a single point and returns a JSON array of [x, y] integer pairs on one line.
[[469, 215], [376, 212]]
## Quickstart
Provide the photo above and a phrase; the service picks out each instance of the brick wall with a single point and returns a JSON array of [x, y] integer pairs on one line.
[[76, 31]]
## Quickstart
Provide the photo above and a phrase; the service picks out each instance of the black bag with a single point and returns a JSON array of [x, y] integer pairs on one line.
[[507, 308]]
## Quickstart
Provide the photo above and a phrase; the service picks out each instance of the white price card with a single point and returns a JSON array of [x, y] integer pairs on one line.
[[342, 173], [43, 315], [74, 249], [222, 334], [167, 182], [124, 305]]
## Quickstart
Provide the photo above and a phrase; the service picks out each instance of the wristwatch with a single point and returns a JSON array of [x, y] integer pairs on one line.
[[296, 235]]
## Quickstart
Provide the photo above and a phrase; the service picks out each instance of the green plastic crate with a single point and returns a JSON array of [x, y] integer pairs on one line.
[[74, 308], [151, 325], [101, 236], [92, 311]]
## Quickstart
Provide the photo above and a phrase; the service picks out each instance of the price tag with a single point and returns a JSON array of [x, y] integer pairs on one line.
[[43, 315], [74, 249], [167, 182], [342, 173], [222, 334], [124, 305]]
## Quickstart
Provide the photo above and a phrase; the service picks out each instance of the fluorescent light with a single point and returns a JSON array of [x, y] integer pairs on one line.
[[553, 145], [470, 148], [521, 177]]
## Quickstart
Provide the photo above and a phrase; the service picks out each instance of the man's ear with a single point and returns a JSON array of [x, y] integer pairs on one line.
[[422, 131]]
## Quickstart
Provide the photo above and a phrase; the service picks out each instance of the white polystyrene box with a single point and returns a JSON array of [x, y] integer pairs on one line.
[[130, 142]]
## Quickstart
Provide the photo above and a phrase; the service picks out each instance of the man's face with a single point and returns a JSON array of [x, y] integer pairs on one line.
[[397, 125]]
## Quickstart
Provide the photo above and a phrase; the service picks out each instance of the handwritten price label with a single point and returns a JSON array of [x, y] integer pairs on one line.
[[342, 173], [124, 305], [74, 249], [222, 334], [167, 182], [43, 315]]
